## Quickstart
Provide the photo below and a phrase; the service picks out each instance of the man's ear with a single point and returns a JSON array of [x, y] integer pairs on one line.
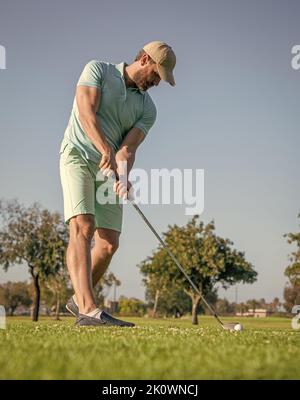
[[145, 59]]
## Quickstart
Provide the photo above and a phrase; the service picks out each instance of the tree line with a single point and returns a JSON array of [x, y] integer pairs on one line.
[[37, 238]]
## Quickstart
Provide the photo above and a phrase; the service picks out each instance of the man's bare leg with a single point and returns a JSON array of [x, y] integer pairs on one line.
[[106, 244], [82, 229]]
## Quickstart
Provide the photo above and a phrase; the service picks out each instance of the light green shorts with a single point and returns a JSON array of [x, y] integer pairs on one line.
[[84, 193]]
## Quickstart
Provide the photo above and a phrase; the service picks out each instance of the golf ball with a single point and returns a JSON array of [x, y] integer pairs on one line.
[[238, 327]]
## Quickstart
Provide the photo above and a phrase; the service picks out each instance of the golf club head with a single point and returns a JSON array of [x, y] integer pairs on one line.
[[232, 326]]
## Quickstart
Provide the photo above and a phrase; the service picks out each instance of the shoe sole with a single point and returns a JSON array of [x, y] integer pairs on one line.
[[103, 326], [70, 311], [90, 321]]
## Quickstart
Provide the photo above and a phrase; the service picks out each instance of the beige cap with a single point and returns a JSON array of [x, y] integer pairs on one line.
[[165, 58]]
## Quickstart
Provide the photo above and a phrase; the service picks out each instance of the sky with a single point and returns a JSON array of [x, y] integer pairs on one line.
[[234, 112]]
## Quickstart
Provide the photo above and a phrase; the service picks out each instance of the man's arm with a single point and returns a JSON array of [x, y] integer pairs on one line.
[[125, 157], [88, 101], [129, 146]]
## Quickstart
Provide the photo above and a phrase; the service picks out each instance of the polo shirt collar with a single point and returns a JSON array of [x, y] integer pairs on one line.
[[120, 67]]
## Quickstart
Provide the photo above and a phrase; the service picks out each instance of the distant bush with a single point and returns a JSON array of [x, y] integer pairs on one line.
[[131, 307]]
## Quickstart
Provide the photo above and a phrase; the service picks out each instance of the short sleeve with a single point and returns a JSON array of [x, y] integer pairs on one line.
[[148, 117], [92, 74]]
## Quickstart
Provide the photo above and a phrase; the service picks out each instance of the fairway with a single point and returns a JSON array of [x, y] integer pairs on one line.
[[155, 349]]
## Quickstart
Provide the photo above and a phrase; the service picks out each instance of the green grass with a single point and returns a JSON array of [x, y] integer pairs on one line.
[[155, 349]]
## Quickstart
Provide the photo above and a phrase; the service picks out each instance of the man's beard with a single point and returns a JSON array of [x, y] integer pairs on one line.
[[139, 81]]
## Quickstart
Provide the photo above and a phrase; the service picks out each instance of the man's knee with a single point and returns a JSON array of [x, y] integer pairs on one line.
[[109, 248], [83, 225], [106, 241]]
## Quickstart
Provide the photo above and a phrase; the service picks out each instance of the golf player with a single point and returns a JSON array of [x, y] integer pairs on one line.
[[112, 114]]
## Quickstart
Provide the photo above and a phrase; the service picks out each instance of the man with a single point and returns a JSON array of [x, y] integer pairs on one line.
[[111, 116]]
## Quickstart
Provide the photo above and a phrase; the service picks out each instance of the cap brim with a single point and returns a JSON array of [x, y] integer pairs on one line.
[[166, 75]]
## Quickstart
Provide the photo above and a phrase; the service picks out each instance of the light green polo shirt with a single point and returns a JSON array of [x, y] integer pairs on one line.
[[120, 108]]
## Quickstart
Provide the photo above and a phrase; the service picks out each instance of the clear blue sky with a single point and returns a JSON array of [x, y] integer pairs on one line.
[[234, 112]]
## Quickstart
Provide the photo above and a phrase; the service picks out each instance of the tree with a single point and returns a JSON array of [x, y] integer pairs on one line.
[[223, 307], [155, 281], [292, 271], [262, 303], [172, 302], [253, 304], [206, 257], [275, 305], [162, 296], [13, 295], [33, 236], [291, 296], [212, 297], [57, 280], [56, 290], [242, 308]]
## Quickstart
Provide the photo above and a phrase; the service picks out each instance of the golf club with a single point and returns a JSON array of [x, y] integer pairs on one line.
[[229, 326]]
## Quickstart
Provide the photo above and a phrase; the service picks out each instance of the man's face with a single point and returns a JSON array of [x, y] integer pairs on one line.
[[147, 75]]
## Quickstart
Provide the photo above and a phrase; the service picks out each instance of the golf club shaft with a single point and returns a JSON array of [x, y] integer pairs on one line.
[[176, 262]]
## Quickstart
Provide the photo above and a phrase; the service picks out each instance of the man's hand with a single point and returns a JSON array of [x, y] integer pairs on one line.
[[122, 190], [108, 164]]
